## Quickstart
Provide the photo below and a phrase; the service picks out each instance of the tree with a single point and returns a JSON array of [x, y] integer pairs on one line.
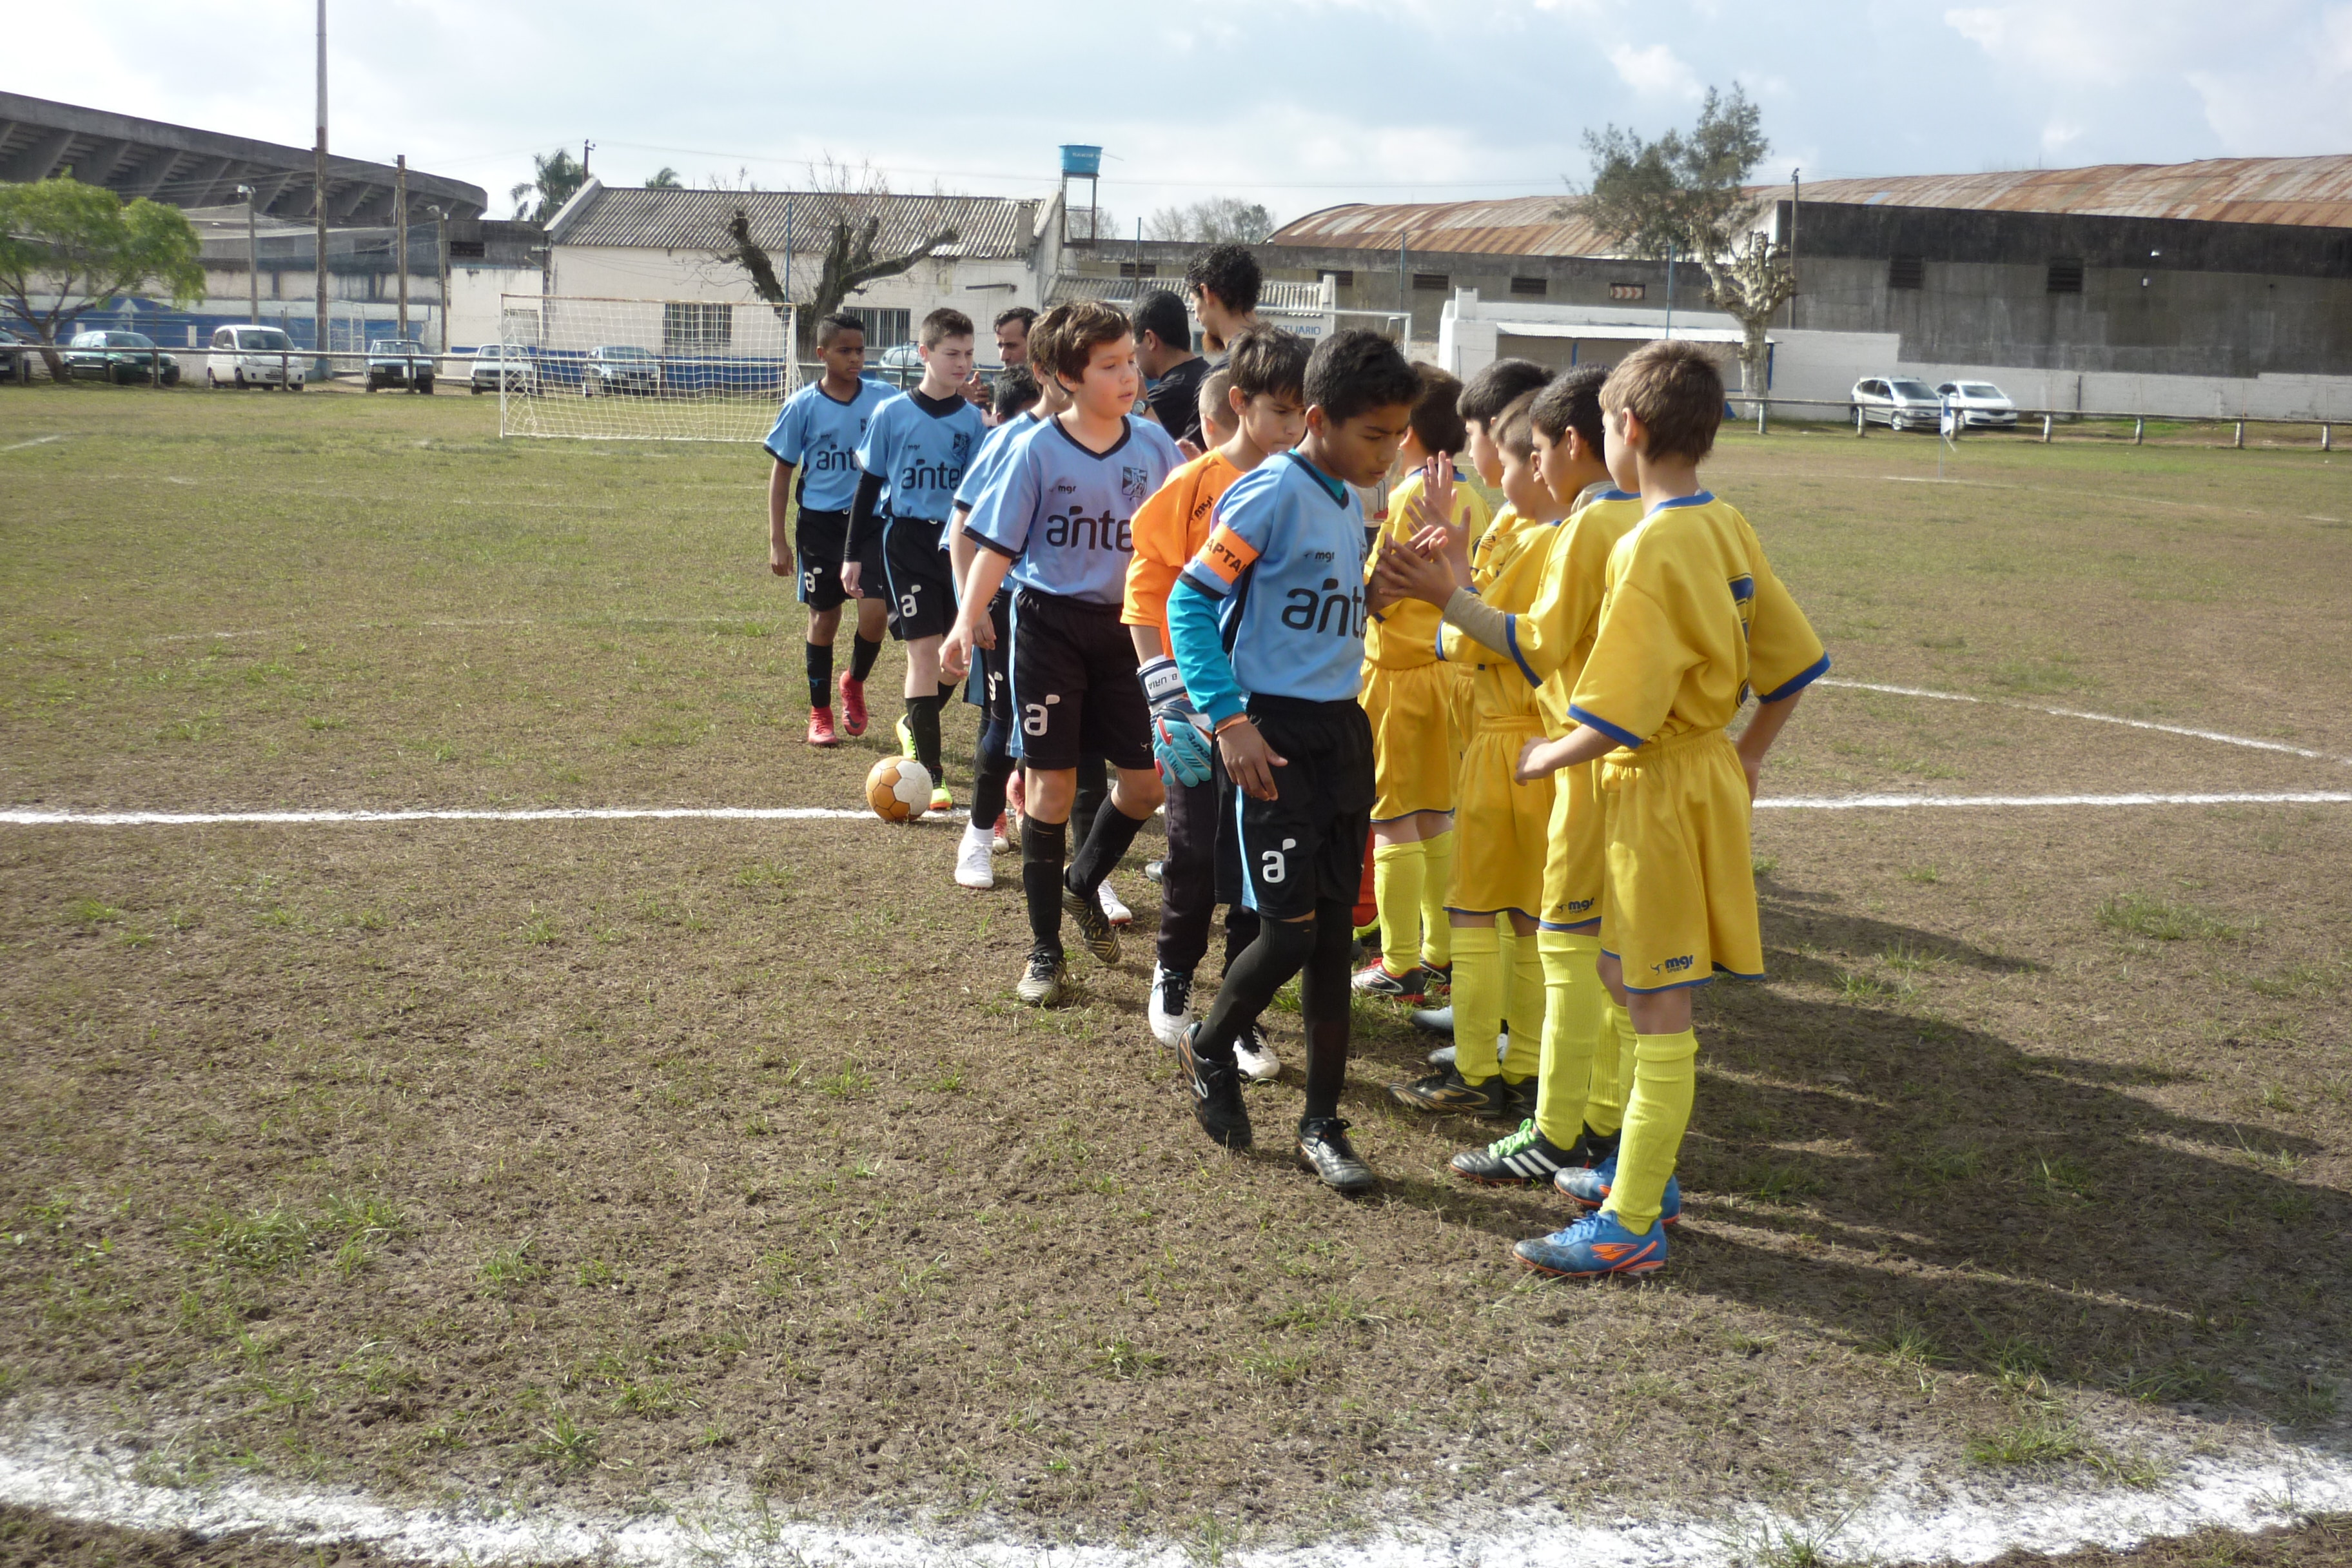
[[1684, 195], [77, 247], [665, 180], [556, 179], [1213, 221], [850, 199]]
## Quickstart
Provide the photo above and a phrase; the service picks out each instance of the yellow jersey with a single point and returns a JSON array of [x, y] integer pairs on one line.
[[1404, 635], [1506, 574], [1554, 637], [1692, 618]]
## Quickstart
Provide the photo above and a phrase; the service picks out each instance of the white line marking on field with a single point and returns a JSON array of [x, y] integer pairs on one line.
[[2094, 718], [609, 622], [36, 441], [1895, 802], [2100, 495]]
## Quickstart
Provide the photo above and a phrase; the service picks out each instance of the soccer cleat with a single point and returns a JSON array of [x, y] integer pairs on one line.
[[1324, 1149], [1590, 1186], [1374, 980], [1094, 928], [1042, 981], [1448, 1093], [820, 730], [1434, 1020], [1153, 870], [906, 737], [975, 867], [942, 801], [1594, 1246], [1253, 1054], [852, 706], [1437, 979], [1118, 914], [1523, 1157], [1170, 1010], [1216, 1095]]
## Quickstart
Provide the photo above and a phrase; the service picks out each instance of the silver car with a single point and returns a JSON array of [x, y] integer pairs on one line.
[[1980, 404], [1898, 402], [620, 367], [496, 366]]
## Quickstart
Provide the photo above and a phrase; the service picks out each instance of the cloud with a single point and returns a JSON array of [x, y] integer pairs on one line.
[[1654, 72]]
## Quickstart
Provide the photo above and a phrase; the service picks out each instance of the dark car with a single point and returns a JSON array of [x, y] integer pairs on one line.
[[399, 361], [122, 358]]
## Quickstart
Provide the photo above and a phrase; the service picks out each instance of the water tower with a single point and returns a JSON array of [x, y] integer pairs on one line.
[[1081, 163]]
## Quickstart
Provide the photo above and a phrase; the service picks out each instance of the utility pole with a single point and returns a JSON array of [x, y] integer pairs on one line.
[[400, 221], [441, 266], [1796, 199], [586, 147], [252, 261], [319, 178]]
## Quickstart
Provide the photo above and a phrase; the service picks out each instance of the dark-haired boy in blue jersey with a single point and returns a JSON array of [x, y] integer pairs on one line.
[[916, 449], [817, 432], [1268, 623], [1058, 523]]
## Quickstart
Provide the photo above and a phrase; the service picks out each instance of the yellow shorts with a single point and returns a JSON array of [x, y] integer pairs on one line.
[[1466, 708], [1576, 860], [1413, 748], [1679, 905], [1499, 825]]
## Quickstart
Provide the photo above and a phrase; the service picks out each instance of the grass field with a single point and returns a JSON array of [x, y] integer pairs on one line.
[[617, 1162]]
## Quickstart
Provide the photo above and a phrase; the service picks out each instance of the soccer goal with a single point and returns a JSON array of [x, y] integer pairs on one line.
[[638, 370]]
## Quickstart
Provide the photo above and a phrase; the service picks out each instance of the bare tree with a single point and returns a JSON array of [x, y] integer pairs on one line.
[[1684, 196], [850, 261], [1213, 221]]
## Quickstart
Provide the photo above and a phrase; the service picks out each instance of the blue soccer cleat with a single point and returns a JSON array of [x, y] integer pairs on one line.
[[1594, 1246], [1590, 1186]]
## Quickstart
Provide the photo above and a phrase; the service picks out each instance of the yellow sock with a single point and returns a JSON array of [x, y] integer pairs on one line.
[[1436, 932], [1612, 1068], [1572, 1033], [1396, 888], [1528, 1009], [1477, 1001], [1665, 1082]]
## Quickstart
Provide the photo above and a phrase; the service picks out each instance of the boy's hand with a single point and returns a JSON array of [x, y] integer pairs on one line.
[[850, 572], [975, 392], [1539, 758], [779, 560], [1408, 573], [1249, 760], [955, 652], [1754, 768], [1190, 449]]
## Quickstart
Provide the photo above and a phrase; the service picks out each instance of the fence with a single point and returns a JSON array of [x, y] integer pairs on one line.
[[2043, 426], [643, 369]]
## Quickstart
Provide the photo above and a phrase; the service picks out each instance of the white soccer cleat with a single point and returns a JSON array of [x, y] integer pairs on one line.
[[975, 863], [1118, 913], [1170, 1010], [1253, 1054]]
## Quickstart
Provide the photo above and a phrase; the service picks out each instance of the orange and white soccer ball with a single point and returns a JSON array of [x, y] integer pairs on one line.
[[899, 789]]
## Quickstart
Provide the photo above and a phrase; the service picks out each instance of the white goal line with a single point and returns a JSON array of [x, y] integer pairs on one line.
[[2227, 740]]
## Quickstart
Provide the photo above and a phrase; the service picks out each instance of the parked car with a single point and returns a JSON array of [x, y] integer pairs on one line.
[[399, 361], [620, 367], [900, 366], [1898, 402], [496, 366], [253, 356], [122, 358], [1980, 404]]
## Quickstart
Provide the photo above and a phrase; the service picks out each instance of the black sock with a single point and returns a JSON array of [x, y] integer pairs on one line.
[[1043, 847], [923, 719], [820, 674], [948, 688], [1094, 788], [1241, 930], [862, 656], [1323, 987], [1113, 831], [1281, 949], [991, 770]]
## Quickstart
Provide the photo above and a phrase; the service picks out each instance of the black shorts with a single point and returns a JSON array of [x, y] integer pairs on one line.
[[1308, 843], [1074, 685], [989, 687], [922, 579], [821, 538]]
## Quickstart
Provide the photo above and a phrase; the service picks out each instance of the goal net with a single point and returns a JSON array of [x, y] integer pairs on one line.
[[638, 370]]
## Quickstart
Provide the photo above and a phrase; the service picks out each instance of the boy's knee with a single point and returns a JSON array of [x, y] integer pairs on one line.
[[1139, 793], [1291, 942], [1051, 794]]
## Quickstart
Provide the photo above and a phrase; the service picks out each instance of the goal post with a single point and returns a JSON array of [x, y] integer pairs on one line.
[[570, 366]]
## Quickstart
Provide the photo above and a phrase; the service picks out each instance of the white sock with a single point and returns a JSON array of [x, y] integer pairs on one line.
[[979, 833]]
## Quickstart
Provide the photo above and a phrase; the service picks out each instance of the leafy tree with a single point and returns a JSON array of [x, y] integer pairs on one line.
[[1213, 221], [77, 247], [665, 180], [1684, 196], [556, 179]]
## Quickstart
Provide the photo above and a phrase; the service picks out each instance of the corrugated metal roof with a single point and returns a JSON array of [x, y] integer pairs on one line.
[[697, 220], [2311, 192]]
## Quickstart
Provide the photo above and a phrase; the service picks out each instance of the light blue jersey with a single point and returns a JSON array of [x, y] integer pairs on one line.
[[1274, 604], [919, 447], [989, 459], [1065, 515], [819, 434]]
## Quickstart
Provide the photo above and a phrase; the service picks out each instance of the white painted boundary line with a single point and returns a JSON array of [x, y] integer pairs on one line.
[[1899, 802], [36, 441], [2246, 741]]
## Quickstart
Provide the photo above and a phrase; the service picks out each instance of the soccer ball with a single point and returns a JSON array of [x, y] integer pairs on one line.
[[899, 789]]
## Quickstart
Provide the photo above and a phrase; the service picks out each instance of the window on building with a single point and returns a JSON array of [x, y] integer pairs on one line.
[[697, 329], [1432, 282], [1628, 291], [885, 327], [1533, 287], [2065, 275], [1139, 270], [1344, 278], [1907, 272], [468, 250]]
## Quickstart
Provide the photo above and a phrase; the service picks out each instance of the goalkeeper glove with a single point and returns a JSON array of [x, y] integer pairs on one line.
[[1178, 742]]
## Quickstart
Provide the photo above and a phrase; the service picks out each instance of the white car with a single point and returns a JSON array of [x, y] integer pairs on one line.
[[620, 367], [494, 365], [1898, 402], [253, 356], [1980, 404]]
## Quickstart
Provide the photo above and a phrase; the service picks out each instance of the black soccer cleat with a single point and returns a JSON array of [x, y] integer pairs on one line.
[[1095, 933], [1448, 1093], [1521, 1158], [1216, 1095], [1324, 1149]]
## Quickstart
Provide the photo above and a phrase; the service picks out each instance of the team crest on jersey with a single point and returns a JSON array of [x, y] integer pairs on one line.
[[962, 447], [1134, 485]]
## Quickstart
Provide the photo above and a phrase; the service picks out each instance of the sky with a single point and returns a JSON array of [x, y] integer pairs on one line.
[[1297, 104]]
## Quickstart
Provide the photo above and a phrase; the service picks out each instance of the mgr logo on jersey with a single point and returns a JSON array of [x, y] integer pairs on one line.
[[1134, 485]]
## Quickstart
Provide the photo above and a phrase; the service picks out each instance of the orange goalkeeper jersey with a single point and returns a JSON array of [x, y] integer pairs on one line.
[[1170, 529]]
